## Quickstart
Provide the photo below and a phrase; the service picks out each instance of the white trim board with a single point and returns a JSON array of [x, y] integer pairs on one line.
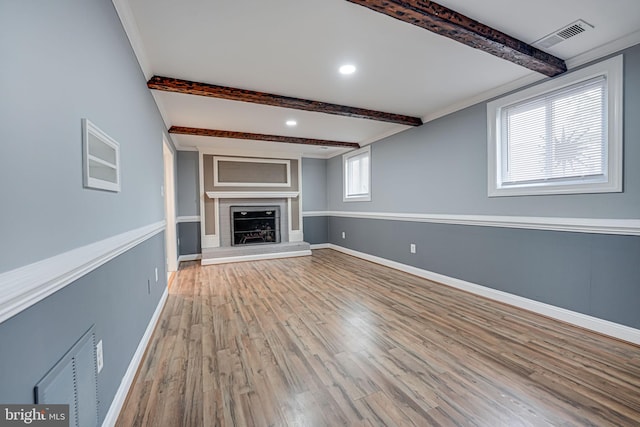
[[321, 246], [626, 227], [256, 257], [24, 286], [130, 374], [591, 323], [193, 218], [252, 194], [192, 257]]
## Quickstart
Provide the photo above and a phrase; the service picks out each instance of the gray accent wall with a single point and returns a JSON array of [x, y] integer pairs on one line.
[[64, 61], [314, 185], [316, 229], [118, 298], [189, 238], [314, 199], [188, 176], [188, 165]]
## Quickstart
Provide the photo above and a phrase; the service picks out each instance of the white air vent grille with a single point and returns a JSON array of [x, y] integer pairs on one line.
[[563, 34], [571, 31]]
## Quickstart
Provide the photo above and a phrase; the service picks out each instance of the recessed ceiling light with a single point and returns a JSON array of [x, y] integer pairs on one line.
[[347, 69], [291, 123]]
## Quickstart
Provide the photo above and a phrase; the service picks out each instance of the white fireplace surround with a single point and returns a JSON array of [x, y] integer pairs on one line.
[[252, 194], [222, 200], [225, 199]]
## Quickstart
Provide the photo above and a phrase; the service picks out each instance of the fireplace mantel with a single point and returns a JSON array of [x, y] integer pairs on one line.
[[252, 194]]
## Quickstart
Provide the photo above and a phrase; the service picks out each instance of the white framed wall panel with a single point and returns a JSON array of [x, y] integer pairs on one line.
[[221, 183]]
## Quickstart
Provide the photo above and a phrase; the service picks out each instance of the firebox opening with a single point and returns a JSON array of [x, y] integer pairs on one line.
[[255, 225]]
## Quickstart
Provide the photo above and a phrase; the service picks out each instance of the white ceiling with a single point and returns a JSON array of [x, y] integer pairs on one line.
[[294, 48]]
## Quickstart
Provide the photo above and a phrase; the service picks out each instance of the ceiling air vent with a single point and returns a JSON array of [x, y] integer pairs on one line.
[[563, 34]]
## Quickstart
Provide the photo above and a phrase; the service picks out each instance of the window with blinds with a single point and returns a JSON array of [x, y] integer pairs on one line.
[[357, 175], [563, 136]]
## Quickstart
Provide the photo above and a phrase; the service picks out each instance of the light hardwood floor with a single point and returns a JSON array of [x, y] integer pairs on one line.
[[331, 340]]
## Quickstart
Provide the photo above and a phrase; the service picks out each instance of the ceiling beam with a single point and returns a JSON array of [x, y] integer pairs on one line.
[[449, 23], [169, 84], [259, 137]]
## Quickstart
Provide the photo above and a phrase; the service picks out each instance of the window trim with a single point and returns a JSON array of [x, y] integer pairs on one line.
[[345, 159], [612, 69]]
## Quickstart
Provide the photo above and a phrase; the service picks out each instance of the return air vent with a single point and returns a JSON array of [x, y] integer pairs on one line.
[[563, 34], [73, 381]]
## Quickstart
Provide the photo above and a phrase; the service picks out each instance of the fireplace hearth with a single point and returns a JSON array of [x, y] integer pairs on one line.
[[255, 225]]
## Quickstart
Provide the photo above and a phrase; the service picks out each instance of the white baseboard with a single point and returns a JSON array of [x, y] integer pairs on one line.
[[321, 246], [121, 394], [193, 257], [595, 324], [193, 218], [256, 257]]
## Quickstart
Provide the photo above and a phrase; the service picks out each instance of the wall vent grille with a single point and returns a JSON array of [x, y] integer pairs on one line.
[[563, 34], [74, 381]]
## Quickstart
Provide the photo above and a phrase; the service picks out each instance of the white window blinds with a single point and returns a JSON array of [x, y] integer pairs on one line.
[[561, 135]]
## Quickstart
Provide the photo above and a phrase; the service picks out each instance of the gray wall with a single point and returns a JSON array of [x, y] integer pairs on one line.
[[314, 185], [441, 168], [188, 166], [188, 183], [63, 61], [314, 198], [316, 229], [189, 238], [118, 298]]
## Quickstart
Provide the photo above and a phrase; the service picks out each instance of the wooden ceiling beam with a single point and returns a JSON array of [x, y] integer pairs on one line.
[[169, 84], [260, 137], [449, 23]]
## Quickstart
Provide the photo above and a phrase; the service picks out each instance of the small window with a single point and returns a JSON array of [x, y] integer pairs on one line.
[[101, 156], [563, 136], [357, 175]]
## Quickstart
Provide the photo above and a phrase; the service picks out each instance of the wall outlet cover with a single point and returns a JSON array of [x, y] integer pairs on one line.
[[99, 356]]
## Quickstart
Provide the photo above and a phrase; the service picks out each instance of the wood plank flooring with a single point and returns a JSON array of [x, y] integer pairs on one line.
[[331, 340]]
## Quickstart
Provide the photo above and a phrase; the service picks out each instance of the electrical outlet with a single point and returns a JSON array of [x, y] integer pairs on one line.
[[99, 356], [344, 235], [412, 248], [156, 274], [162, 190]]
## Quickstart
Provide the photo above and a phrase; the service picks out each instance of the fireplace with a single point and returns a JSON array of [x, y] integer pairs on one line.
[[255, 225]]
